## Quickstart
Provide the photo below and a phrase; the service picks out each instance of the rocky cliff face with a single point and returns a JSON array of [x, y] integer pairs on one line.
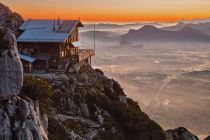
[[20, 118], [11, 78], [88, 105]]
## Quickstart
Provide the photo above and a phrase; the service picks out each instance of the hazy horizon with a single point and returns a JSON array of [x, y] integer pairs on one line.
[[112, 10], [169, 80]]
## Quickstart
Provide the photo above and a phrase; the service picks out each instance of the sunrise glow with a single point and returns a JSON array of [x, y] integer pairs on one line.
[[112, 10]]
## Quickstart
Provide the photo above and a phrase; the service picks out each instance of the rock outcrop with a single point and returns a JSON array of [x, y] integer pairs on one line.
[[10, 19], [20, 119], [11, 77], [180, 133]]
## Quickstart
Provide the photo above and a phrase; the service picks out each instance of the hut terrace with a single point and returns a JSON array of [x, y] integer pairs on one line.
[[51, 45]]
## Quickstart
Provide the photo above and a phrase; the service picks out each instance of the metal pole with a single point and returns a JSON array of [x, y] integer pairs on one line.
[[94, 37]]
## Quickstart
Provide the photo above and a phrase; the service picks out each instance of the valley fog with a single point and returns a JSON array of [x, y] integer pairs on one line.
[[170, 81]]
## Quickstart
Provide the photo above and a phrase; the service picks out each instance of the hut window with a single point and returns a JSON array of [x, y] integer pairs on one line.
[[62, 54]]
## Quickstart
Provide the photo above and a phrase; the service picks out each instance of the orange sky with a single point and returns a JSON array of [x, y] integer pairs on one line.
[[112, 10]]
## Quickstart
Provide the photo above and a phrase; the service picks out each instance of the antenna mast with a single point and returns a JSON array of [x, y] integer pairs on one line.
[[54, 25], [94, 36]]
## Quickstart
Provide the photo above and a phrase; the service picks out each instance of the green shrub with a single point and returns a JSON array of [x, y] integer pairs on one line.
[[74, 125], [85, 69], [99, 71], [37, 90], [56, 131]]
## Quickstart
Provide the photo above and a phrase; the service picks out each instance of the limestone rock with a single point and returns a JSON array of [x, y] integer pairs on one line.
[[123, 99], [100, 119], [84, 110], [11, 77], [5, 123], [21, 119]]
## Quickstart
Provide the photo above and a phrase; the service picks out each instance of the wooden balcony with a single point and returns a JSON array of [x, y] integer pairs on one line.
[[74, 50], [84, 54]]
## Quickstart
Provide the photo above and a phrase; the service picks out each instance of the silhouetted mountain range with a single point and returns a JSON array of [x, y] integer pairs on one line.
[[119, 26], [151, 33]]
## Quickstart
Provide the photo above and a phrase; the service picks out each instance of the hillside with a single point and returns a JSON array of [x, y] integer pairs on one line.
[[151, 33], [91, 105]]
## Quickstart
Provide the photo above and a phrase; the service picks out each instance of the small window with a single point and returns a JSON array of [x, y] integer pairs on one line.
[[62, 54]]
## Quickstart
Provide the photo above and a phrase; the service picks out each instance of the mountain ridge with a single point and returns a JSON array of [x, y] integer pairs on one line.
[[152, 33], [203, 27]]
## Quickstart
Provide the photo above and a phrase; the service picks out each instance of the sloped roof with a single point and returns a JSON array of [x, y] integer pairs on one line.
[[47, 30], [27, 58], [42, 35], [33, 24]]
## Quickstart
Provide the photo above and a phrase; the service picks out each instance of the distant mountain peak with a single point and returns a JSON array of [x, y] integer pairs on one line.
[[149, 28], [152, 33], [181, 23]]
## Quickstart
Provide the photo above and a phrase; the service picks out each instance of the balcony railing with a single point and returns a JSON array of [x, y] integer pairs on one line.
[[74, 50], [85, 54]]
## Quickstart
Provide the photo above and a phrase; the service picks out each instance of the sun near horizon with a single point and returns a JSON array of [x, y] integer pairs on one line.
[[112, 10]]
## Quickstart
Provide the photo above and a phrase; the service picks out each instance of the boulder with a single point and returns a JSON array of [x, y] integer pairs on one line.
[[180, 133], [11, 77]]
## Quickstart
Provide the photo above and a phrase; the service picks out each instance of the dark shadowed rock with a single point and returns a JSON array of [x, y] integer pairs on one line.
[[180, 133], [207, 138]]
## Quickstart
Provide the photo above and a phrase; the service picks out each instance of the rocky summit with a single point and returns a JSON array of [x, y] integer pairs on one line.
[[88, 105]]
